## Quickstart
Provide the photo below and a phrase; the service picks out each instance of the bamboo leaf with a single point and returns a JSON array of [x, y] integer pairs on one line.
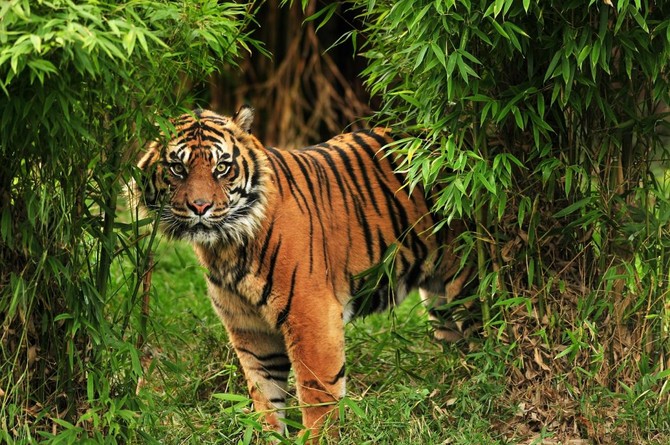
[[439, 53], [572, 208], [518, 118], [632, 10], [326, 12], [552, 65], [583, 54], [487, 184], [500, 29]]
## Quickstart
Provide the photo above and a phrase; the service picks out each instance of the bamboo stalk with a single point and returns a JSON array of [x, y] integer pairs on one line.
[[146, 295], [108, 237]]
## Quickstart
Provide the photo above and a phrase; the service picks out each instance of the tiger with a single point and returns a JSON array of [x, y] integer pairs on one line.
[[287, 236]]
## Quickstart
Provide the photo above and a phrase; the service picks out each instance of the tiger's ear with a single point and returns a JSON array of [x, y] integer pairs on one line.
[[244, 118]]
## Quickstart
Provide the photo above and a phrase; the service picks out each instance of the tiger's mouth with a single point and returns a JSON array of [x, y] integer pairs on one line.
[[234, 223], [199, 229], [199, 226], [193, 231], [194, 222], [206, 229]]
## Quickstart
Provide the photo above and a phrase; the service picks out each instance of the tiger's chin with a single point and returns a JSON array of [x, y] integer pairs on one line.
[[198, 234], [226, 232]]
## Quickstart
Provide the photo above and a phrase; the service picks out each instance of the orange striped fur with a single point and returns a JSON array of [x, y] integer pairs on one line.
[[284, 236]]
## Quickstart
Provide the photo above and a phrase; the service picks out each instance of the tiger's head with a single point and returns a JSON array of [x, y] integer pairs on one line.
[[208, 183]]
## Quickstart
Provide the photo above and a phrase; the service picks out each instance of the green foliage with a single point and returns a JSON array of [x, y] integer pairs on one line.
[[80, 84], [465, 73], [545, 123]]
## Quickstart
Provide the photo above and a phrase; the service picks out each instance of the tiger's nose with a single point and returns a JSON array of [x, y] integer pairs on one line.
[[199, 206]]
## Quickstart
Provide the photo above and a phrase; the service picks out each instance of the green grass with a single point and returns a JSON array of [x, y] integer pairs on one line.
[[403, 387]]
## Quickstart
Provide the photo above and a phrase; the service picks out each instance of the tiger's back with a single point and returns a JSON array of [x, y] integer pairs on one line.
[[343, 206], [286, 237]]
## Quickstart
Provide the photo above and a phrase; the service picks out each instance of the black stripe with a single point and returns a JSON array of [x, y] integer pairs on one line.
[[149, 190], [324, 184], [269, 279], [349, 169], [200, 153], [339, 375], [334, 169], [279, 156], [275, 377], [217, 137], [367, 233], [245, 171], [324, 180], [377, 158], [264, 357], [352, 285], [255, 176], [216, 281], [219, 133], [366, 179], [347, 251], [242, 191], [276, 175], [281, 367], [190, 131], [365, 146], [314, 384], [393, 208], [293, 188], [308, 181], [266, 244], [242, 266], [380, 140], [283, 315]]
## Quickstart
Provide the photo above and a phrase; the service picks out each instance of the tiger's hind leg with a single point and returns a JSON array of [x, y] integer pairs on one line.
[[452, 321], [444, 326], [456, 313]]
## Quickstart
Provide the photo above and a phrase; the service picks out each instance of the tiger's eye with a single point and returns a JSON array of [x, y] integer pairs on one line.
[[222, 169], [177, 169]]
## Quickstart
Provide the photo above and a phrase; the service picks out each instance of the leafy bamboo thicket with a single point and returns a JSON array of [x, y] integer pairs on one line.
[[544, 123], [81, 83]]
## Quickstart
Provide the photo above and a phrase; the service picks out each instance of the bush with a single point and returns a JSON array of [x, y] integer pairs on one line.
[[81, 83], [543, 122]]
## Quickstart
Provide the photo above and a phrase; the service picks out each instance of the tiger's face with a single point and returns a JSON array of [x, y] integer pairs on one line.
[[206, 183]]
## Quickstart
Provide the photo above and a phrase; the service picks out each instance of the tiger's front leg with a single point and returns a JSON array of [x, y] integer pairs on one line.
[[261, 353], [266, 368], [314, 333]]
